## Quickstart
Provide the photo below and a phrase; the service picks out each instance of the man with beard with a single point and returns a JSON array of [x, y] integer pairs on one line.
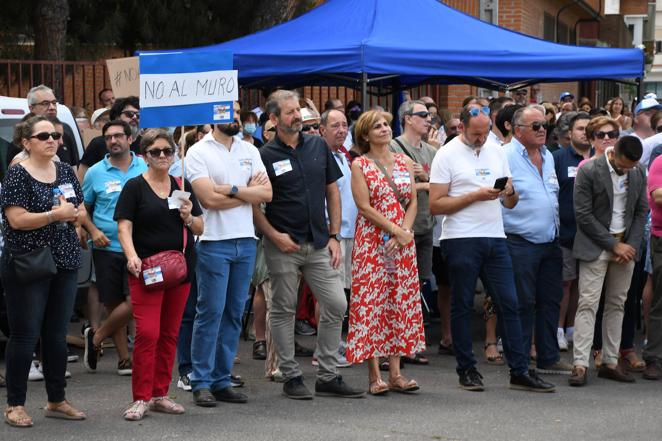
[[228, 177], [125, 109], [297, 239], [462, 187], [102, 186]]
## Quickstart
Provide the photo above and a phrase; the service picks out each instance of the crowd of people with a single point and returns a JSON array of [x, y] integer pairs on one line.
[[553, 210]]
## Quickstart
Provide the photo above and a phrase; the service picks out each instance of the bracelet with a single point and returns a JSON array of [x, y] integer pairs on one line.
[[49, 215], [511, 193]]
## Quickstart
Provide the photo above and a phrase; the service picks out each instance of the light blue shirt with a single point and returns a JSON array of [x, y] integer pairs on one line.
[[348, 207], [102, 186], [536, 215]]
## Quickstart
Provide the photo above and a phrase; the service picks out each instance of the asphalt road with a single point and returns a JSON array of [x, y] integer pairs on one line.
[[603, 410]]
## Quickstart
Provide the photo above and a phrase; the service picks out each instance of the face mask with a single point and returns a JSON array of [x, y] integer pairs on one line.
[[250, 128]]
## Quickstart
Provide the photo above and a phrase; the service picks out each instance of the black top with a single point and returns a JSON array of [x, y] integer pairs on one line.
[[155, 227], [299, 195], [96, 150], [21, 189]]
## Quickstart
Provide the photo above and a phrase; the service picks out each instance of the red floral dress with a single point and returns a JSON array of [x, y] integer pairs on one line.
[[385, 315]]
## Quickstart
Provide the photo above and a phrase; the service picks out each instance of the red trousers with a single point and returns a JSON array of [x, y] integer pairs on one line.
[[158, 315], [306, 305]]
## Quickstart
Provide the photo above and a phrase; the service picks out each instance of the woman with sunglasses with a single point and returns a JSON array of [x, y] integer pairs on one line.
[[150, 221], [40, 308], [617, 110]]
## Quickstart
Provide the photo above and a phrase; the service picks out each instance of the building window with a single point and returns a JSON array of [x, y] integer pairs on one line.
[[489, 11]]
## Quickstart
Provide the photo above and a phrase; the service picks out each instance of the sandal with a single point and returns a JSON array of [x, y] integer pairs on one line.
[[384, 364], [165, 405], [402, 385], [416, 359], [136, 411], [597, 358], [16, 416], [631, 362], [496, 360], [378, 387], [64, 411]]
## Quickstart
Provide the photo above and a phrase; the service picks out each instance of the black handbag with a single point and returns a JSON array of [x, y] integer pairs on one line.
[[34, 265]]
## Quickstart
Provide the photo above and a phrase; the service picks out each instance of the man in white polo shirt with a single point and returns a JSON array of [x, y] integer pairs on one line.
[[462, 187], [228, 176]]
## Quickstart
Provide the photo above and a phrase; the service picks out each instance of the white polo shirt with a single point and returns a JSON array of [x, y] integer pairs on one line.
[[459, 165], [210, 159]]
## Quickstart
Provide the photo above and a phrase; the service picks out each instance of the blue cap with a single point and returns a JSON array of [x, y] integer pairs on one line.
[[566, 94]]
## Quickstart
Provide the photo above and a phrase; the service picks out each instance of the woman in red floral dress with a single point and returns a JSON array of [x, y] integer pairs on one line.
[[385, 318]]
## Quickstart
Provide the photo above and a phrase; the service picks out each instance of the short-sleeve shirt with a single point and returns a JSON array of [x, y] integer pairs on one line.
[[209, 159], [654, 183], [299, 177], [466, 171], [156, 228], [96, 150], [566, 164], [102, 186], [22, 190]]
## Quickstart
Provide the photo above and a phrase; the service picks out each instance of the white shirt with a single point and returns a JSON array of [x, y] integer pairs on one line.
[[459, 165], [493, 139], [620, 186], [649, 144], [210, 159]]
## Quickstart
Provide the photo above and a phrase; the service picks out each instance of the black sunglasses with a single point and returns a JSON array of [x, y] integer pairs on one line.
[[308, 127], [131, 114], [422, 114], [535, 126], [43, 136], [155, 153], [271, 129], [612, 134]]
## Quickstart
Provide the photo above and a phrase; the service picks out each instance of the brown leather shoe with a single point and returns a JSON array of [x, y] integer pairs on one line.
[[616, 374], [653, 371], [578, 376]]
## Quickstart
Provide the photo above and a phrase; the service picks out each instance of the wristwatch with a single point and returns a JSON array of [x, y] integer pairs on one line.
[[233, 191], [334, 236]]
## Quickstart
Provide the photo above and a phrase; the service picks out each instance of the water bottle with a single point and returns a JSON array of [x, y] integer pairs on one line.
[[56, 202], [389, 260]]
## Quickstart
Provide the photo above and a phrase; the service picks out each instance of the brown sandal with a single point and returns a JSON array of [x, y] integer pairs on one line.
[[378, 387], [496, 360], [631, 362], [597, 358], [64, 411], [402, 385], [16, 416]]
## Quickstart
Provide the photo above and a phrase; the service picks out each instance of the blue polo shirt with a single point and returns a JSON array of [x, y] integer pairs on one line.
[[566, 161], [536, 215], [102, 186]]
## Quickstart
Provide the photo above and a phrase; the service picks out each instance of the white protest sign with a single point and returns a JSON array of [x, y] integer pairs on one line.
[[179, 89]]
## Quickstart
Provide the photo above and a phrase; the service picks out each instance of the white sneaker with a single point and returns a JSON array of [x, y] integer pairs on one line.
[[184, 382], [499, 345], [67, 374], [563, 343], [35, 372]]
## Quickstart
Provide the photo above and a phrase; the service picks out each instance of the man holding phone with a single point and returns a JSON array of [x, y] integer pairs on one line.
[[473, 243], [532, 230]]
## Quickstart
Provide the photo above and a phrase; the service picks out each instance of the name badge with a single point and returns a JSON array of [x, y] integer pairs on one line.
[[401, 177], [152, 275], [67, 190], [282, 167], [246, 165], [572, 172], [483, 172], [113, 186]]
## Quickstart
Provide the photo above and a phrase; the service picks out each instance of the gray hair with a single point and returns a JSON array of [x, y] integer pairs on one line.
[[518, 116], [325, 116], [407, 108], [539, 107], [277, 97], [32, 92]]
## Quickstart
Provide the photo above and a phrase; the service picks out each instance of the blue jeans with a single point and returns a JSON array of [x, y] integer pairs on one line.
[[539, 283], [186, 329], [468, 258], [40, 309], [224, 272]]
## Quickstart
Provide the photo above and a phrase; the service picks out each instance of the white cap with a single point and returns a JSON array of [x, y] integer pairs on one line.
[[98, 113], [308, 115]]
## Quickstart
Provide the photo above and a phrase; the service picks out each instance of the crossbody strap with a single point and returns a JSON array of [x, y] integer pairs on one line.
[[181, 187], [394, 187], [402, 146]]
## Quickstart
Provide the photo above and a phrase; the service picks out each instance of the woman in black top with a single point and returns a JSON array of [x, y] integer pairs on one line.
[[40, 308], [149, 223]]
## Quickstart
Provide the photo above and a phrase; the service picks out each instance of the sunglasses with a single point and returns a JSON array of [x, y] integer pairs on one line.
[[474, 112], [114, 135], [422, 114], [612, 134], [535, 126], [131, 114], [43, 136], [309, 127], [271, 129], [156, 153]]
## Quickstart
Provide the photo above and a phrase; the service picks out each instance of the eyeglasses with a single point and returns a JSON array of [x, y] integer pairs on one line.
[[309, 127], [612, 134], [131, 114], [43, 136], [474, 111], [535, 126], [110, 136], [422, 114], [46, 103], [156, 153]]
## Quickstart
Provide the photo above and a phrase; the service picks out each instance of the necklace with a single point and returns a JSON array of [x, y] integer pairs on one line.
[[160, 188]]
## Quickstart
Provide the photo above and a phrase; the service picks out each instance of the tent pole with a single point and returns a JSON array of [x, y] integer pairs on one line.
[[638, 82], [364, 90]]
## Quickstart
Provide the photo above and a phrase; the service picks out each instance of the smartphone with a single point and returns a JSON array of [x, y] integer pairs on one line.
[[500, 183]]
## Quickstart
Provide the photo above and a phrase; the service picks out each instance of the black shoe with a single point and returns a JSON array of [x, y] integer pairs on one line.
[[337, 388], [91, 355], [445, 350], [302, 351], [534, 374], [236, 381], [471, 380], [295, 389], [260, 350], [204, 398], [229, 395], [530, 383]]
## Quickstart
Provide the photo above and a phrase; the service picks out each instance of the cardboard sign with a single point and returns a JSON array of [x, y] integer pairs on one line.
[[124, 76]]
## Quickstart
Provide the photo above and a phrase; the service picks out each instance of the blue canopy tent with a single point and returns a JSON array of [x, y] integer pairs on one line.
[[397, 43]]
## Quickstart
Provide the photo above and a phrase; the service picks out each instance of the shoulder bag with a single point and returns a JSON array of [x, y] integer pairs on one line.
[[34, 265], [394, 187]]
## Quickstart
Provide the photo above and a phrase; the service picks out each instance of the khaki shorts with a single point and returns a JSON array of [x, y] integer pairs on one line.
[[570, 265]]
